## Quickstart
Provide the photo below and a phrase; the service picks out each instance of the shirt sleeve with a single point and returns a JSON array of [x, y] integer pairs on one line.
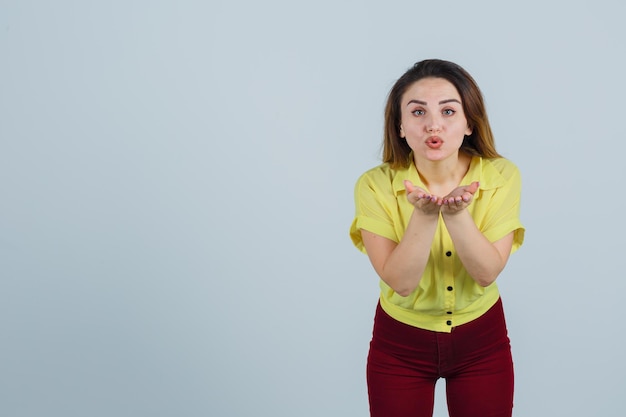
[[375, 206], [504, 210]]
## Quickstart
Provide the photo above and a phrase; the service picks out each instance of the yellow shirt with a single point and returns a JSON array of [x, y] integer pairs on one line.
[[446, 295]]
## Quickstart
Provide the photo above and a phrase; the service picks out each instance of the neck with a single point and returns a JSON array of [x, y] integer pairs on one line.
[[444, 174]]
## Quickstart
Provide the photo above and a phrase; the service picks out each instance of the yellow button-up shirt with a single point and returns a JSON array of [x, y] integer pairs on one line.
[[446, 295]]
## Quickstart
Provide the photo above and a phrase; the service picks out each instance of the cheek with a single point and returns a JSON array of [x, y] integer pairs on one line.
[[412, 125]]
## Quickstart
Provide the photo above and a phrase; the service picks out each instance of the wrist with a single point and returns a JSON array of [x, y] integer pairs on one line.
[[432, 215], [454, 214]]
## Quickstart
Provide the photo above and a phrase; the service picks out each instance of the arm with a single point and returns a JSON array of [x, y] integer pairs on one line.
[[401, 265], [482, 259]]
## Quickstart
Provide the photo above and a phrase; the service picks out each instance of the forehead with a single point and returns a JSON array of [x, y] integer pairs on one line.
[[431, 90]]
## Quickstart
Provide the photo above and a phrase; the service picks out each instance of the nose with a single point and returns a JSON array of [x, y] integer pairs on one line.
[[433, 124]]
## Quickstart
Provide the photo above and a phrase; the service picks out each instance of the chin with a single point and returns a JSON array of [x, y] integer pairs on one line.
[[436, 155]]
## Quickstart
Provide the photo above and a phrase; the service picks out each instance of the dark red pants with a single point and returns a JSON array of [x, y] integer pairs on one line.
[[405, 362]]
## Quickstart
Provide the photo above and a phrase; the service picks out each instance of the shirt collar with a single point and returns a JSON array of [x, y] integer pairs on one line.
[[480, 169]]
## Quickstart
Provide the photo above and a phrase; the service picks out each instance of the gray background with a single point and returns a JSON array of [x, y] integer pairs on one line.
[[176, 189]]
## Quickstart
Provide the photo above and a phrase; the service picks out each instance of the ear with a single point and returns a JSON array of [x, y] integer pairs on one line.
[[402, 135], [468, 131]]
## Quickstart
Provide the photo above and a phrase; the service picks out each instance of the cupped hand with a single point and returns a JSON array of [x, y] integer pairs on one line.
[[422, 200], [459, 199]]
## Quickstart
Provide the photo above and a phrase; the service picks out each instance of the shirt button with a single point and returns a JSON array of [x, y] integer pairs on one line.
[[449, 322], [450, 288], [448, 253]]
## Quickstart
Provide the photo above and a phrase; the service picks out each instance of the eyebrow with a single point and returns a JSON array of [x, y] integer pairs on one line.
[[423, 103]]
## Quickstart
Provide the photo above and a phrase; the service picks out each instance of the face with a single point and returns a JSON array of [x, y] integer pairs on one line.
[[432, 120]]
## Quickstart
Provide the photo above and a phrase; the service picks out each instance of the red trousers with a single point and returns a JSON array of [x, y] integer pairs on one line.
[[405, 362]]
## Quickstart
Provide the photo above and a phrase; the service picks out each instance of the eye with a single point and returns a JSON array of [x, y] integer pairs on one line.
[[448, 112], [418, 112]]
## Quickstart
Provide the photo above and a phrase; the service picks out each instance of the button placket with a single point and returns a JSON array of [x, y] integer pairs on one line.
[[446, 251], [450, 298]]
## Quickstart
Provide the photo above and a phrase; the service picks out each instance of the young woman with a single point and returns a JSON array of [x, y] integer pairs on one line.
[[438, 220]]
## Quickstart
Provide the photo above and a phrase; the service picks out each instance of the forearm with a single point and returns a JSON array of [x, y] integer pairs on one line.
[[479, 256], [405, 265]]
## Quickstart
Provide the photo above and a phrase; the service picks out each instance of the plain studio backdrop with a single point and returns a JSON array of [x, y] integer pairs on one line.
[[176, 188]]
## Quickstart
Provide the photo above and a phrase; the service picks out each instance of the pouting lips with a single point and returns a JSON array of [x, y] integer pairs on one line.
[[434, 143]]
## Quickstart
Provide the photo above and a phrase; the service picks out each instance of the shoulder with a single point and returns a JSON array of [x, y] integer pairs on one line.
[[379, 175], [382, 183], [382, 170], [500, 167]]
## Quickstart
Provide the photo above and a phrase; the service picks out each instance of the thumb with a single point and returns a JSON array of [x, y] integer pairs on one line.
[[408, 185], [473, 187]]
